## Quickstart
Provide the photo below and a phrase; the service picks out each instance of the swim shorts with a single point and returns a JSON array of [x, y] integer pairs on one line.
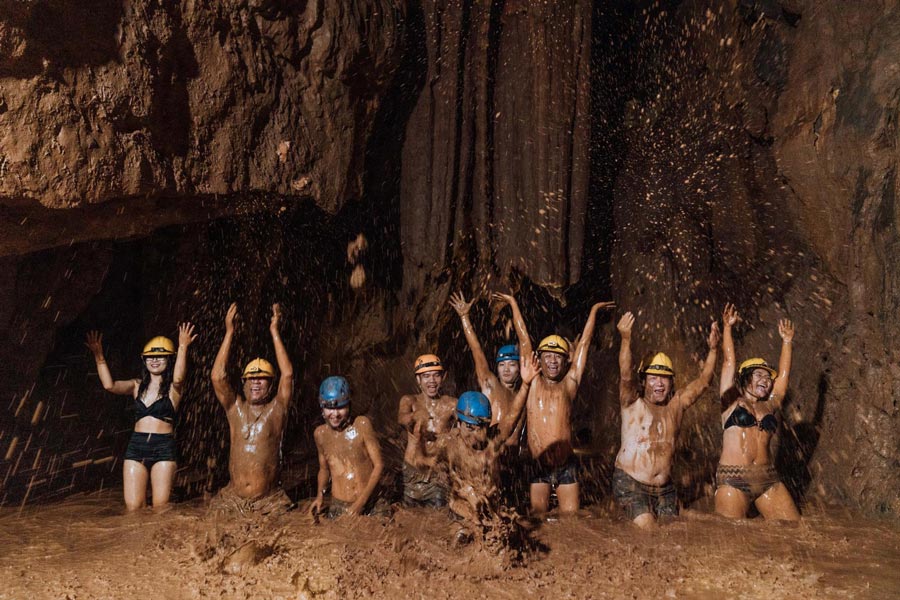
[[274, 503], [151, 448], [637, 498], [375, 507], [564, 474]]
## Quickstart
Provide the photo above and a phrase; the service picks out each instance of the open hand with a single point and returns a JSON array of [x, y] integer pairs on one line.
[[186, 334], [94, 342], [459, 304], [786, 330], [604, 305], [503, 298], [730, 315], [529, 367]]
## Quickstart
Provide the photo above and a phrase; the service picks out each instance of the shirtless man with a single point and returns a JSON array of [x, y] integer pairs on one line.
[[256, 419], [349, 454], [548, 417], [432, 412], [651, 417], [472, 449], [500, 389]]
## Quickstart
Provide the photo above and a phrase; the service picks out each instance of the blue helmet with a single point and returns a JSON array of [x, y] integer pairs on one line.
[[473, 408], [508, 352], [334, 392]]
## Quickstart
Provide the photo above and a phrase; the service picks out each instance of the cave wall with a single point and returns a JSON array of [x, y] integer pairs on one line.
[[677, 154], [130, 101]]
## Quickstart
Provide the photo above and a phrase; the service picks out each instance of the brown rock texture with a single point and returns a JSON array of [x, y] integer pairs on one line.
[[121, 101]]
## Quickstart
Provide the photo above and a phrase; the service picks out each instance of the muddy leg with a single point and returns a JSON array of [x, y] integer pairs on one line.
[[731, 502], [134, 476], [645, 521], [540, 498], [568, 494], [162, 476], [776, 503]]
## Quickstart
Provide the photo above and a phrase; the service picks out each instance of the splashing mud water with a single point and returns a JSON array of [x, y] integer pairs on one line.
[[85, 548]]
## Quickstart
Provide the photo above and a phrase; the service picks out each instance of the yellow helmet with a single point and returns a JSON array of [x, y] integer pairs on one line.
[[658, 364], [159, 346], [756, 363], [427, 363], [554, 343], [259, 368]]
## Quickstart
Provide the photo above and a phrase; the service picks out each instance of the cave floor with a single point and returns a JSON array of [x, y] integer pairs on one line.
[[86, 548]]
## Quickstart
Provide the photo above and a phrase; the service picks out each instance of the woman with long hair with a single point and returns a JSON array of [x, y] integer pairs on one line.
[[151, 453], [750, 411]]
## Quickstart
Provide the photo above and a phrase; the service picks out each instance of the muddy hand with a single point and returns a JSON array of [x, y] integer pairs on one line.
[[625, 325], [730, 316], [502, 298], [459, 304], [786, 330], [714, 336], [604, 305], [529, 367], [276, 318]]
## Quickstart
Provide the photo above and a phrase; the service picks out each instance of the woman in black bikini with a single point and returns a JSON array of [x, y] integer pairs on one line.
[[151, 450], [746, 472]]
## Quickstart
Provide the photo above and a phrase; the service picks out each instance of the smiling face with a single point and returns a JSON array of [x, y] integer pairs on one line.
[[156, 365], [760, 384], [473, 435], [657, 388], [508, 371], [553, 365], [336, 417], [430, 383], [256, 389]]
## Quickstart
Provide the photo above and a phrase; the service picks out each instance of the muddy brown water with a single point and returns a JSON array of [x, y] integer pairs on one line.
[[87, 548]]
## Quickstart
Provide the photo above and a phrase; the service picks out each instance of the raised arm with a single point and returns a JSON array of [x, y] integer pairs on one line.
[[482, 367], [286, 381], [322, 477], [628, 392], [373, 448], [185, 337], [579, 360], [692, 391], [224, 392], [122, 387], [525, 348], [528, 370], [405, 412], [730, 317], [779, 389]]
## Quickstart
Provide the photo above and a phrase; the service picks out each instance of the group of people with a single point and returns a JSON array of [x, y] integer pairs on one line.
[[457, 448]]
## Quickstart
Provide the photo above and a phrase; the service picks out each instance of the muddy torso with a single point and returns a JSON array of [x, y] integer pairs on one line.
[[548, 418], [648, 440], [348, 459], [256, 433], [747, 445], [437, 416]]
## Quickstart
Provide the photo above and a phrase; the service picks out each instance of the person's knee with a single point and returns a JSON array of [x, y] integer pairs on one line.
[[731, 503], [645, 520]]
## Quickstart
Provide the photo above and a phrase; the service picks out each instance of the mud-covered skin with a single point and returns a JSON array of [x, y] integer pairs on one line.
[[256, 417], [751, 446], [350, 457], [652, 415], [430, 410]]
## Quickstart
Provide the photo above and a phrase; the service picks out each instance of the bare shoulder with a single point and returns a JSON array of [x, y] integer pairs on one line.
[[362, 422], [319, 432], [408, 399], [449, 401]]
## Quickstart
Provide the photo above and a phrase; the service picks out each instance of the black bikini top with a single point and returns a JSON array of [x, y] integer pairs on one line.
[[162, 409], [741, 417]]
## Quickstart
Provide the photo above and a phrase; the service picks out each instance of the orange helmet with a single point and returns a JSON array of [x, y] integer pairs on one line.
[[427, 363]]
